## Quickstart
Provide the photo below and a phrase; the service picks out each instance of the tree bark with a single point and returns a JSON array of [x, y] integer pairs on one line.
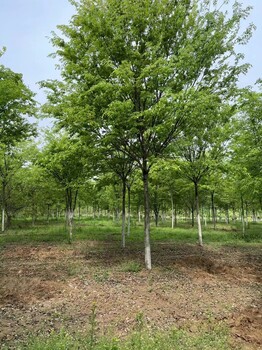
[[128, 208], [123, 213], [213, 209], [243, 216], [198, 215], [246, 221], [172, 211], [146, 218], [3, 218], [3, 204], [70, 215], [192, 215]]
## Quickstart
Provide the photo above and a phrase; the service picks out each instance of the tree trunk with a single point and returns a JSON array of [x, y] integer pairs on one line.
[[139, 215], [79, 210], [146, 218], [8, 220], [227, 215], [175, 214], [247, 222], [213, 209], [172, 211], [192, 215], [156, 215], [48, 213], [243, 216], [70, 216], [128, 208], [3, 218], [198, 215], [123, 213], [234, 214]]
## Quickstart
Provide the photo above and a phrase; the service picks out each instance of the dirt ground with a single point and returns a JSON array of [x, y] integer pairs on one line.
[[50, 287]]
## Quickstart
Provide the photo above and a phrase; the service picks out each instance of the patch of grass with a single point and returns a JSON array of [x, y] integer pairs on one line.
[[106, 230], [216, 338], [131, 266], [102, 276]]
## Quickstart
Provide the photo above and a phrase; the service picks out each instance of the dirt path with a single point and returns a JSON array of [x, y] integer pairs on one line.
[[48, 287]]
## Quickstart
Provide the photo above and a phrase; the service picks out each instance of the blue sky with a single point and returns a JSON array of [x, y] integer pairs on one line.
[[26, 24]]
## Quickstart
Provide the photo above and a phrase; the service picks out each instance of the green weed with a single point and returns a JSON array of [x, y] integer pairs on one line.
[[131, 266]]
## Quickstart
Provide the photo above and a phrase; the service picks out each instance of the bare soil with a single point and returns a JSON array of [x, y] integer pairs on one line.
[[49, 287]]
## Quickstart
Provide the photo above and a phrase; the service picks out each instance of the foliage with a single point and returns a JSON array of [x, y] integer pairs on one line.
[[16, 102]]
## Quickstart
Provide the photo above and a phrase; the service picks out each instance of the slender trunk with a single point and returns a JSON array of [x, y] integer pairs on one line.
[[129, 208], [70, 207], [243, 216], [70, 216], [3, 205], [48, 213], [227, 215], [156, 215], [172, 211], [198, 215], [192, 216], [175, 214], [247, 222], [3, 218], [139, 215], [234, 214], [213, 209], [8, 220], [254, 216], [123, 213], [146, 218]]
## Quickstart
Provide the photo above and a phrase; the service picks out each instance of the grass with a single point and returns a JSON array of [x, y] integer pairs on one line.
[[211, 337], [130, 266], [105, 230]]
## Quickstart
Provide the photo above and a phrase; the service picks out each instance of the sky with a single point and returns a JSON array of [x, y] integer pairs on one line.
[[25, 26]]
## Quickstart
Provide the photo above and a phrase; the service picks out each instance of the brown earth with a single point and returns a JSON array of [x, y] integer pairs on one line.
[[50, 287]]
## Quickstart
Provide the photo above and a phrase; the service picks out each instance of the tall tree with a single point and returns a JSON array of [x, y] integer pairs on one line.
[[133, 66], [16, 101]]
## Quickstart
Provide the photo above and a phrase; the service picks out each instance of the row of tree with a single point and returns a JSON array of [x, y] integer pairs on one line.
[[147, 87]]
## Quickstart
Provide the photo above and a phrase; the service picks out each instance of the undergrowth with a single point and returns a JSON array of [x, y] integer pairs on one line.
[[213, 337], [106, 230]]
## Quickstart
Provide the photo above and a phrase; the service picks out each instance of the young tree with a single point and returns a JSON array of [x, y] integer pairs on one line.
[[134, 65], [64, 159], [202, 146], [122, 166]]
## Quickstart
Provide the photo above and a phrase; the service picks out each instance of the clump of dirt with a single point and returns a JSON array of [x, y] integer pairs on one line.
[[49, 287], [247, 325]]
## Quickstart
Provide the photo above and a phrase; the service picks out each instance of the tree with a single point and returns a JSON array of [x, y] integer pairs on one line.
[[16, 101], [122, 166], [133, 66], [247, 150], [63, 158], [202, 146]]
